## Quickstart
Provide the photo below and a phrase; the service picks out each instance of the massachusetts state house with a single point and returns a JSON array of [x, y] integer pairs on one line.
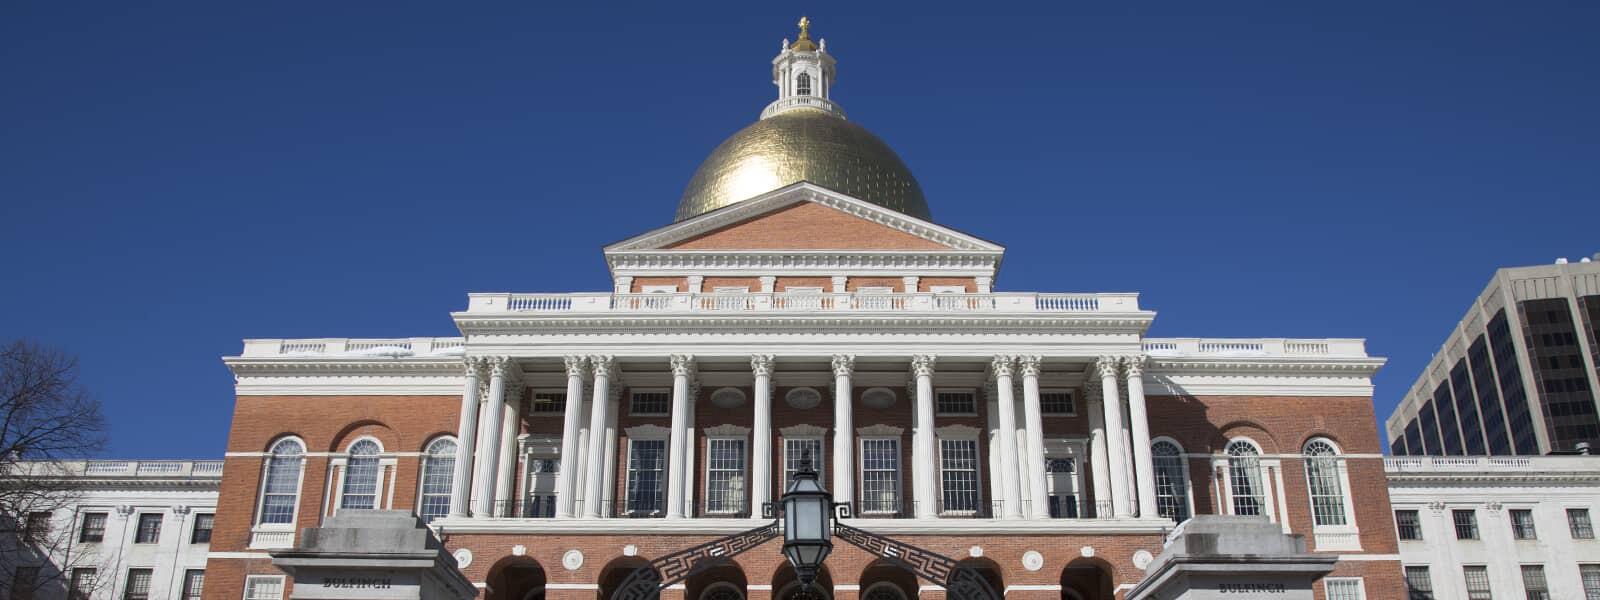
[[804, 305]]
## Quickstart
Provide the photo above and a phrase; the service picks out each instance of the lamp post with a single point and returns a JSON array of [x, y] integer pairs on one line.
[[807, 524]]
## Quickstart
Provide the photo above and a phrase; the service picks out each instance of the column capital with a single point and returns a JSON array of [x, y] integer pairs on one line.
[[843, 364], [499, 366], [603, 365], [1134, 365], [922, 365], [761, 365], [576, 366], [1107, 365], [682, 365], [473, 366], [1031, 365], [1002, 366]]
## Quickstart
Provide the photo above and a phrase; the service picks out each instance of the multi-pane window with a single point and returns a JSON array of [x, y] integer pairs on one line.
[[24, 582], [81, 584], [1327, 490], [94, 528], [1344, 588], [956, 402], [880, 475], [1419, 583], [1578, 521], [650, 403], [1244, 479], [194, 584], [1408, 524], [1466, 522], [1172, 482], [1477, 577], [1590, 574], [361, 476], [802, 84], [282, 484], [647, 463], [203, 522], [138, 585], [1061, 477], [438, 475], [725, 475], [149, 531], [958, 475], [796, 451], [1056, 403], [1534, 584], [1522, 524], [549, 402], [542, 473], [37, 527], [263, 587]]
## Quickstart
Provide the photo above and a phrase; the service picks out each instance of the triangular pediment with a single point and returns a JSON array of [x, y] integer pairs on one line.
[[802, 217]]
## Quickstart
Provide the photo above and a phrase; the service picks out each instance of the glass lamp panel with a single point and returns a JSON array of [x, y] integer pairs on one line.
[[809, 515]]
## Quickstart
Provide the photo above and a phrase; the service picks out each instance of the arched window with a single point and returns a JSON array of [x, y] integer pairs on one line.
[[1326, 483], [722, 590], [281, 489], [361, 476], [1172, 481], [802, 84], [1244, 478], [438, 472]]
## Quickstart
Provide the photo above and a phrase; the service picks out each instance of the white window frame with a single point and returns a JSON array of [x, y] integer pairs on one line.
[[960, 433], [728, 432], [899, 473], [1077, 451], [632, 392], [251, 578], [257, 527], [544, 415], [1069, 392], [1344, 537], [422, 471], [1183, 460], [1361, 586], [955, 390], [646, 433], [819, 463], [537, 449], [381, 495], [1269, 504]]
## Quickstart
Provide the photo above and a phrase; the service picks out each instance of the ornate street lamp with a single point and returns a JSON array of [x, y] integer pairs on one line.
[[807, 523]]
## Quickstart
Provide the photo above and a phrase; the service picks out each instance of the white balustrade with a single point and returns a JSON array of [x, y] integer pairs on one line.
[[1490, 464]]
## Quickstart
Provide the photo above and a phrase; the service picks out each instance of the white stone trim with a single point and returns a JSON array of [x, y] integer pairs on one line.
[[648, 431], [727, 431], [880, 431], [803, 431], [238, 556], [957, 527]]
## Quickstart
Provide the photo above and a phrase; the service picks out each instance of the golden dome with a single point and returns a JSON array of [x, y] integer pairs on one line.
[[803, 144]]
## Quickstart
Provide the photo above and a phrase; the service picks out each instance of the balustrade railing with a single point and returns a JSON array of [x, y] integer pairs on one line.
[[805, 301]]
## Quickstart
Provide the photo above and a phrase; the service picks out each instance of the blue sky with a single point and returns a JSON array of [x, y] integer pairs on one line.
[[176, 177]]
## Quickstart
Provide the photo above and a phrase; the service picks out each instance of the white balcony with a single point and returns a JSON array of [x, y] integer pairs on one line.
[[1253, 348], [999, 302], [1399, 465], [347, 347], [124, 469]]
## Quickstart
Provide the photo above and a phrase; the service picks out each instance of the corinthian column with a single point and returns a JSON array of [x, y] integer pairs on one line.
[[466, 439], [1143, 463], [761, 435], [925, 456], [844, 441], [1098, 462], [1038, 496], [485, 480], [1113, 407], [593, 489], [1011, 486], [677, 448], [571, 423]]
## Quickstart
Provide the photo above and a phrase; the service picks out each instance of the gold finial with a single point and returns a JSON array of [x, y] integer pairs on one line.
[[804, 43]]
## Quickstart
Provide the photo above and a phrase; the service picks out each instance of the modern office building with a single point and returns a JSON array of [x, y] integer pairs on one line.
[[1517, 376], [1497, 526], [109, 529], [805, 306]]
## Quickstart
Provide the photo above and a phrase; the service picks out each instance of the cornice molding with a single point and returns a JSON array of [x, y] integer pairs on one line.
[[803, 430], [1263, 364], [343, 366], [477, 325], [796, 262]]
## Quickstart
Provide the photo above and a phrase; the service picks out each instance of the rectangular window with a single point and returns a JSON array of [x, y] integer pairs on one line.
[[149, 529], [725, 475], [1419, 584], [650, 403], [24, 582], [647, 462], [1578, 521], [81, 584], [880, 476], [94, 528], [1466, 522], [263, 587], [37, 529], [1344, 588], [549, 403], [795, 451], [1522, 524], [1477, 577], [958, 478], [1533, 582], [1591, 581], [138, 586], [194, 582], [1057, 402], [956, 402], [1408, 524], [202, 528]]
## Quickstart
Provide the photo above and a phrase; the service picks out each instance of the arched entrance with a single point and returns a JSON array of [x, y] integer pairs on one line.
[[990, 571], [722, 582], [1087, 579], [785, 586], [884, 580], [516, 578], [617, 571]]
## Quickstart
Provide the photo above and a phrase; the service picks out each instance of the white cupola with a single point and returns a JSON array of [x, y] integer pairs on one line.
[[803, 72]]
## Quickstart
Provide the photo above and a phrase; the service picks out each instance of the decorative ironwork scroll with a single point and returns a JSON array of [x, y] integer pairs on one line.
[[960, 582], [646, 583]]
